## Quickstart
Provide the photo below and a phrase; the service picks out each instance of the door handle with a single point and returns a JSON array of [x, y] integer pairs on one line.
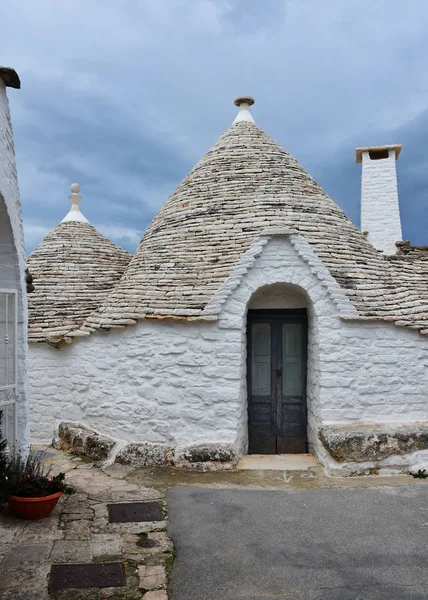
[[278, 373]]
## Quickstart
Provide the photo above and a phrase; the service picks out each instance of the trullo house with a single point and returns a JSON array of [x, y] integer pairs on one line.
[[254, 317]]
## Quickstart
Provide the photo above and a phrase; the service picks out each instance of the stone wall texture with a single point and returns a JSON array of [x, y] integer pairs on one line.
[[181, 383], [12, 254], [380, 211]]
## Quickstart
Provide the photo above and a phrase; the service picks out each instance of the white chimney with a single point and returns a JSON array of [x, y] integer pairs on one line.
[[380, 212]]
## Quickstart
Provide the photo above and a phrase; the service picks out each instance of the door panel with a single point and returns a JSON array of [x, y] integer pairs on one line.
[[261, 359], [292, 421], [292, 374], [277, 381], [261, 418], [292, 425]]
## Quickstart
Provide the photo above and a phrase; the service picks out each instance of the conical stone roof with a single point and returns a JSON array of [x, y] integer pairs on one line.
[[243, 186], [74, 269]]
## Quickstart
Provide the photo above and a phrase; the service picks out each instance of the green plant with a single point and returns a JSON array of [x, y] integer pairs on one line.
[[421, 474], [29, 477]]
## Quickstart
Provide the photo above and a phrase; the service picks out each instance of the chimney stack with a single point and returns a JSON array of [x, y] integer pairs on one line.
[[380, 211]]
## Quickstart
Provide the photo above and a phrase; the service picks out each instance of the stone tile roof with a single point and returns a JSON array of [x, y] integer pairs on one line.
[[407, 249], [244, 185], [74, 269]]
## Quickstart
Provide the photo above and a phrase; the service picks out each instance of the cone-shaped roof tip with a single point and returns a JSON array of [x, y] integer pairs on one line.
[[244, 103]]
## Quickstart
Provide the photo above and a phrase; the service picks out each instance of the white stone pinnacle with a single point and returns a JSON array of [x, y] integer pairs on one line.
[[244, 114], [75, 198]]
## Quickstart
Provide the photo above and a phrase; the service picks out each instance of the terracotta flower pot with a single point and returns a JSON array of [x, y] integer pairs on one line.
[[33, 508]]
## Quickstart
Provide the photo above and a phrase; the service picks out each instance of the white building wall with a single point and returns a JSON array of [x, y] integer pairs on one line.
[[374, 373], [160, 381], [12, 254], [181, 383], [380, 211]]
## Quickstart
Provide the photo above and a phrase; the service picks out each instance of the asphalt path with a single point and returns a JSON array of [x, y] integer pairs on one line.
[[323, 544]]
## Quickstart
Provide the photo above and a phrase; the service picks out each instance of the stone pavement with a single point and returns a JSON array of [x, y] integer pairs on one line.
[[78, 531], [250, 534]]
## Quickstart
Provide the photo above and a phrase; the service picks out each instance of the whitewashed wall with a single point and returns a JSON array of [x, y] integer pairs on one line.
[[182, 383], [166, 382], [12, 254]]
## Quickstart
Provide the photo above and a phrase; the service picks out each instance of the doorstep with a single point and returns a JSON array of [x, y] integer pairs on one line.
[[277, 462]]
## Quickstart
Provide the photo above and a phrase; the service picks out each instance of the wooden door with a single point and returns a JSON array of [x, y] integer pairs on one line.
[[276, 366]]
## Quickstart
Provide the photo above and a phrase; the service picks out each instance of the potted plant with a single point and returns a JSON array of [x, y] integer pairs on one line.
[[31, 489]]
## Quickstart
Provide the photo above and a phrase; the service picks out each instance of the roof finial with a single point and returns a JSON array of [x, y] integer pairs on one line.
[[75, 214], [74, 196], [244, 103]]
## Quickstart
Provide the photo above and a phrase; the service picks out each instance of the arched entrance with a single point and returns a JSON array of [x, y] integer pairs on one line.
[[277, 339]]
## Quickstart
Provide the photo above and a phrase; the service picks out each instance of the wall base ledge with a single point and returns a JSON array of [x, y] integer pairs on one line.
[[78, 439], [361, 442]]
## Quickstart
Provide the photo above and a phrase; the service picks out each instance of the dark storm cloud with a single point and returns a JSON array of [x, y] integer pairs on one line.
[[126, 97]]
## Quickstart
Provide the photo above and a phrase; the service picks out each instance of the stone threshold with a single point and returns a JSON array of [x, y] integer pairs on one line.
[[277, 462]]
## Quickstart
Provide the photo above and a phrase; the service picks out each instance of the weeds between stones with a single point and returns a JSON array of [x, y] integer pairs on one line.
[[421, 474]]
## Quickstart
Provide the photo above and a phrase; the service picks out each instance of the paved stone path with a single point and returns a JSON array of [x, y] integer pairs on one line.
[[79, 531], [257, 535], [314, 544]]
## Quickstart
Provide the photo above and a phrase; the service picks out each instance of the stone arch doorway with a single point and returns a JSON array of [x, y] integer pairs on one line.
[[277, 340]]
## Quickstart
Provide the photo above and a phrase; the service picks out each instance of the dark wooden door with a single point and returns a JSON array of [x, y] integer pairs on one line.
[[276, 367]]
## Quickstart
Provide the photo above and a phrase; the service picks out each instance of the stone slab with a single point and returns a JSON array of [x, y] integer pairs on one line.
[[133, 512], [152, 577], [23, 577], [25, 594], [106, 544], [90, 575], [84, 594], [68, 551], [156, 595], [22, 556], [78, 530], [277, 462]]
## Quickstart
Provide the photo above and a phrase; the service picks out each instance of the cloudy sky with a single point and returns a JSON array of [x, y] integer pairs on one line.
[[125, 96]]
